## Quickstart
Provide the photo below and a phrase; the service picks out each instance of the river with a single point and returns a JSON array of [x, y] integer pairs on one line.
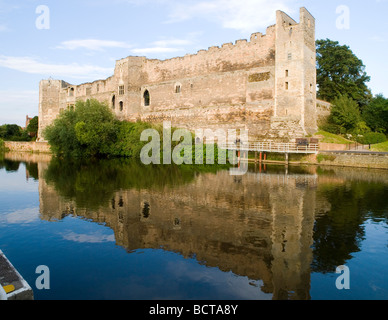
[[116, 229]]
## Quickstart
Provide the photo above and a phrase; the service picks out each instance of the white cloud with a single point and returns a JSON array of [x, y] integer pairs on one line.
[[92, 44], [166, 45], [95, 237], [7, 96], [23, 216], [74, 70], [244, 15]]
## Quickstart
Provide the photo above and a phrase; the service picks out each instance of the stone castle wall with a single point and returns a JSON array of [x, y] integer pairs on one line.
[[266, 85]]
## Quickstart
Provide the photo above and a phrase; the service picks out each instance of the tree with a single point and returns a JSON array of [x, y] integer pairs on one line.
[[341, 72], [12, 132], [345, 113], [89, 130], [96, 127], [375, 114], [62, 137], [33, 126]]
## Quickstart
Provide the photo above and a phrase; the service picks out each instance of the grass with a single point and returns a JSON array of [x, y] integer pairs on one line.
[[332, 138], [381, 147]]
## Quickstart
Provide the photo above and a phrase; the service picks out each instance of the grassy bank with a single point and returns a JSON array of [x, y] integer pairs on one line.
[[381, 147], [326, 137]]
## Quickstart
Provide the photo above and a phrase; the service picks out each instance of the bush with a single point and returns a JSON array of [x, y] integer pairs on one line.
[[331, 128], [372, 138], [128, 142], [345, 113]]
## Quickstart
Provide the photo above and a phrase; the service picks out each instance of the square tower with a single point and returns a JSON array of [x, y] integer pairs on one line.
[[295, 70]]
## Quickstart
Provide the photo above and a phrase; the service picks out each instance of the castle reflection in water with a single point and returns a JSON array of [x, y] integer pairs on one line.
[[260, 225]]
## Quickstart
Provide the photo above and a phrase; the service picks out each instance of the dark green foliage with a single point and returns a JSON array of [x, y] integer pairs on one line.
[[128, 142], [332, 128], [341, 72], [345, 113], [375, 114], [12, 132]]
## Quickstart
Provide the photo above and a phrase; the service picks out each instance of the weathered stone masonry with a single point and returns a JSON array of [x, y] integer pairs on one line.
[[266, 85]]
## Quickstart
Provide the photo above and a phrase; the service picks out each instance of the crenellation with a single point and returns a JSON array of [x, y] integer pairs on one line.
[[227, 45], [272, 75], [241, 42]]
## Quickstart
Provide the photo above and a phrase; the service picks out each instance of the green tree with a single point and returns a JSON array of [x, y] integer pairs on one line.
[[62, 137], [89, 130], [33, 126], [12, 132], [346, 114], [96, 127], [375, 114], [341, 72]]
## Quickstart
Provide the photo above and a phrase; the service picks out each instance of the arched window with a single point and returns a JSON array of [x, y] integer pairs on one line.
[[178, 88], [121, 106], [113, 102], [146, 98]]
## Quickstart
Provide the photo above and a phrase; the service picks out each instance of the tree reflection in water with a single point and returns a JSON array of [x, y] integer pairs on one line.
[[276, 225]]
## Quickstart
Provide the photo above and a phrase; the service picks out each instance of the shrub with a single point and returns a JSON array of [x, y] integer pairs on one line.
[[372, 138], [345, 113], [331, 128]]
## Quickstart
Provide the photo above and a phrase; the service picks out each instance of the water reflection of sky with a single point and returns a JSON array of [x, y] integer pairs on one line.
[[91, 259], [368, 270], [22, 216]]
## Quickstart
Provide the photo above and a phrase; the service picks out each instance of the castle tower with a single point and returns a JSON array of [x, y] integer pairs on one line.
[[295, 80], [50, 92]]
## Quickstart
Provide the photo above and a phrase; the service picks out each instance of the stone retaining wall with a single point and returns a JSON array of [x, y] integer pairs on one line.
[[354, 159], [41, 147]]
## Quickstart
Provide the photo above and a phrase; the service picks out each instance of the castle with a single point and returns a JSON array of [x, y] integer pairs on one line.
[[266, 85]]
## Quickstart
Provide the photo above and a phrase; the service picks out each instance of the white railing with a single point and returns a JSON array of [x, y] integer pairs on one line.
[[274, 147]]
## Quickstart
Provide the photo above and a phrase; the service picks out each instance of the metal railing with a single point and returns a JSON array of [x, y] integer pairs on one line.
[[272, 147]]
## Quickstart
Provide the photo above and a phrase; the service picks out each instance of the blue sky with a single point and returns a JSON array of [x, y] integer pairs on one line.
[[81, 40]]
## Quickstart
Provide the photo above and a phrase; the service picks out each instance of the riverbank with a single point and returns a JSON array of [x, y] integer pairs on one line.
[[33, 147], [352, 159], [356, 159]]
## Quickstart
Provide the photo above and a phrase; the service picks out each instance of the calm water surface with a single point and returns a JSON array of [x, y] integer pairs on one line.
[[119, 230]]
